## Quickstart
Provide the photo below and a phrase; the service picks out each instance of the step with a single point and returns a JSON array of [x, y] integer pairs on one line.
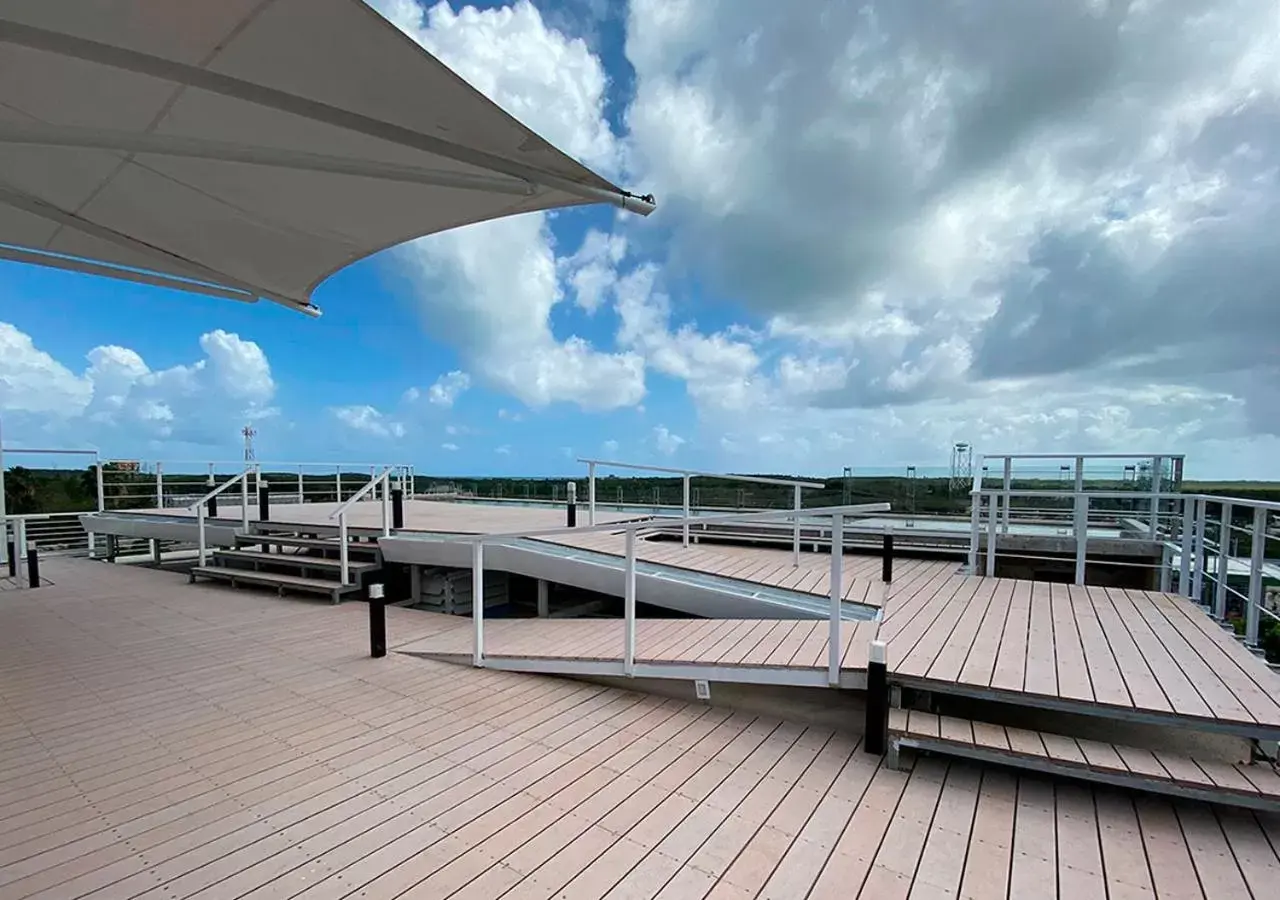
[[305, 543], [281, 582], [1255, 785], [292, 560]]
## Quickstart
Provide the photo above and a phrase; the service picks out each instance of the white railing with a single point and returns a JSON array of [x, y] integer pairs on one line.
[[21, 542], [73, 532], [632, 530], [1188, 543], [340, 514], [686, 475], [200, 509]]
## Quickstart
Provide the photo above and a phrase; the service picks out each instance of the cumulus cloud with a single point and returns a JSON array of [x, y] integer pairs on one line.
[[119, 398], [447, 388], [368, 420], [666, 441]]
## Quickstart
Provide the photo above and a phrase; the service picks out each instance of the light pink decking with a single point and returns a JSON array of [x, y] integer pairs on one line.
[[163, 740]]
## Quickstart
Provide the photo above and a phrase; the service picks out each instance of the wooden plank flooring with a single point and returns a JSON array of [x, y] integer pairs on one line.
[[793, 644], [160, 740], [1104, 650], [1253, 784]]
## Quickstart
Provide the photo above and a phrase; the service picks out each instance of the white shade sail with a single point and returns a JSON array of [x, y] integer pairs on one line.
[[248, 148]]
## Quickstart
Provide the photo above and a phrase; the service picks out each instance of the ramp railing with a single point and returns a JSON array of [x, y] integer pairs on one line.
[[340, 514], [632, 531]]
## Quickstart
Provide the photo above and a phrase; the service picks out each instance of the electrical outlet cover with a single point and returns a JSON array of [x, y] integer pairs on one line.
[[702, 689]]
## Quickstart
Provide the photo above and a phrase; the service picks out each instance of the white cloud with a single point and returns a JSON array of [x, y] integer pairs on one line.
[[666, 442], [368, 420], [503, 450], [593, 270], [119, 398], [609, 446], [451, 448], [448, 388]]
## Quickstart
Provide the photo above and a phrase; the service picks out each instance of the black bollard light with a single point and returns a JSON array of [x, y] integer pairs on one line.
[[876, 734], [213, 506], [33, 565], [13, 560], [264, 502], [397, 508], [571, 511], [886, 559], [377, 621]]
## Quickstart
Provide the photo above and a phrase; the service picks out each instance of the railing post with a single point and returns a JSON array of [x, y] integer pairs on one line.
[[795, 527], [1256, 559], [1157, 477], [629, 607], [1224, 562], [477, 601], [685, 526], [591, 494], [102, 490], [1200, 551], [338, 483], [836, 594], [159, 485], [343, 550], [244, 501], [200, 541], [264, 501], [397, 508], [1081, 534], [993, 519], [300, 489], [1184, 558], [975, 529], [386, 504], [19, 545], [571, 506], [1008, 484], [1166, 568], [886, 556]]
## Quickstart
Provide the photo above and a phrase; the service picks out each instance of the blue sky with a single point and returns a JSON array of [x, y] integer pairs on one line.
[[875, 236]]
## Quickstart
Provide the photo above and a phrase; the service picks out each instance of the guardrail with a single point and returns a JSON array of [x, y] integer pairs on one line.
[[686, 476], [200, 507], [341, 515], [1213, 550], [632, 530]]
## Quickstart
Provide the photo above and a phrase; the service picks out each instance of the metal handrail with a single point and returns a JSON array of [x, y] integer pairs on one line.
[[340, 514], [201, 510], [631, 530]]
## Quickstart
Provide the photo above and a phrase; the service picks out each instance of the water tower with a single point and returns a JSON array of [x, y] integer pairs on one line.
[[961, 468]]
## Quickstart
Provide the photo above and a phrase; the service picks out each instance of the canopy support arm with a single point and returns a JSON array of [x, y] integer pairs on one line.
[[215, 82]]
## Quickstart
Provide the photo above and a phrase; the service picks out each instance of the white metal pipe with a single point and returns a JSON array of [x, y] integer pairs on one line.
[[795, 526], [1157, 477], [339, 484], [1166, 569], [344, 554], [477, 602], [200, 540], [244, 501], [1081, 535], [19, 545], [696, 473], [1008, 483], [159, 485], [1224, 562], [300, 488], [975, 529], [1184, 559], [1256, 559], [591, 497], [836, 594], [1197, 574], [685, 527], [386, 503], [629, 607], [102, 492], [993, 519]]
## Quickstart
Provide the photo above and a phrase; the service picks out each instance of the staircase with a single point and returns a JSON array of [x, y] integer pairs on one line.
[[288, 561]]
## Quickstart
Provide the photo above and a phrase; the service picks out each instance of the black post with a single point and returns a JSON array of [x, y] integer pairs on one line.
[[377, 621], [397, 508], [33, 565], [264, 502], [13, 560], [886, 560], [213, 506], [876, 734], [571, 511]]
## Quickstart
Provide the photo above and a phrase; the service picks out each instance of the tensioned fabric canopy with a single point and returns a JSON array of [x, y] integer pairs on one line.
[[248, 148]]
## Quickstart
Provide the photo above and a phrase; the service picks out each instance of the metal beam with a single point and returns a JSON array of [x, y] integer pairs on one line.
[[200, 148], [68, 45]]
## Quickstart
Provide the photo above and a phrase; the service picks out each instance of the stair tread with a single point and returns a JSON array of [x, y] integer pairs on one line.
[[1251, 780], [311, 562], [310, 543], [272, 578]]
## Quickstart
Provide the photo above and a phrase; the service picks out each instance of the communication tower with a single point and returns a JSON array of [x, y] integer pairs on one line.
[[249, 433], [961, 467]]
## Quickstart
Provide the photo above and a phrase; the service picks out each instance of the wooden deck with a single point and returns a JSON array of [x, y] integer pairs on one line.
[[733, 648], [162, 740], [1103, 651]]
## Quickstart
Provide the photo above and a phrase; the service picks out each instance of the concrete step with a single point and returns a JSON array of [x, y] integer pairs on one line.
[[362, 550], [1252, 785], [291, 561], [280, 581]]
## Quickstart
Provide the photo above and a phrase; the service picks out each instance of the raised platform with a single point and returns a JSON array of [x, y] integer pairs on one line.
[[744, 651], [1134, 655]]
